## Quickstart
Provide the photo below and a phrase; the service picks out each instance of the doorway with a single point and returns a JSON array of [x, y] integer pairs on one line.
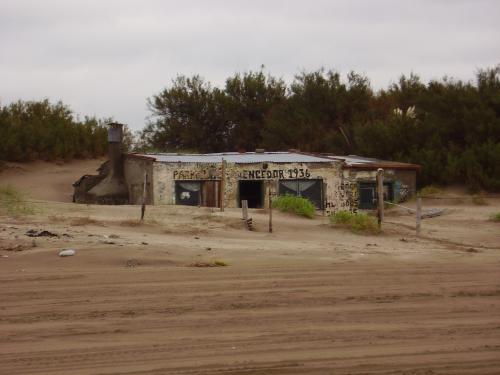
[[210, 194], [251, 191], [368, 194]]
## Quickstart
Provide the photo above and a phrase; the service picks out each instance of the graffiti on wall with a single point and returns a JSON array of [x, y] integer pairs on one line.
[[282, 174], [346, 198], [404, 193], [198, 174], [250, 174]]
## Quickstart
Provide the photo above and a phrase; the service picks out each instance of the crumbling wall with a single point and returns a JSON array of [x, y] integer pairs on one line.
[[87, 182], [165, 175], [403, 180], [134, 169]]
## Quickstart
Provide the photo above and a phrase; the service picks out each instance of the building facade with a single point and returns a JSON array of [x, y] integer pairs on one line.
[[400, 179], [228, 178]]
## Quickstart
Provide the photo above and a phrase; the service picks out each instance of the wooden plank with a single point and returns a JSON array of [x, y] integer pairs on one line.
[[223, 184], [270, 207], [244, 209], [418, 215], [380, 193], [144, 191]]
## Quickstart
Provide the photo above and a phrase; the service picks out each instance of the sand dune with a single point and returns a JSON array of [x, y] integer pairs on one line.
[[48, 181]]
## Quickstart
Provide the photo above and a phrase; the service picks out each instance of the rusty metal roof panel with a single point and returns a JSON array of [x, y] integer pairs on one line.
[[238, 158], [354, 161]]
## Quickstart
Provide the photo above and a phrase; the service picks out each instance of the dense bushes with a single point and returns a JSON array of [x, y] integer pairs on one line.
[[41, 130], [297, 205], [450, 127]]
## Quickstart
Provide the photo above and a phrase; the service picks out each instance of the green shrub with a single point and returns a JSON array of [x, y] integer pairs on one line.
[[430, 190], [495, 217], [13, 202], [297, 205], [356, 222]]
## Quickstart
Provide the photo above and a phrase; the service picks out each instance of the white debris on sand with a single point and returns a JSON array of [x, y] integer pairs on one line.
[[67, 253]]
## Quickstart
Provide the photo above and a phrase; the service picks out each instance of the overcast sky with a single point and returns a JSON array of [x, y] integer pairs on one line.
[[105, 58]]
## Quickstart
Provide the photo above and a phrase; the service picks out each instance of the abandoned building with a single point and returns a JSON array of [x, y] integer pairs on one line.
[[331, 182], [400, 179]]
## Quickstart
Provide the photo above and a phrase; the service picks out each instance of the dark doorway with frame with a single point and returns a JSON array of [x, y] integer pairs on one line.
[[253, 192]]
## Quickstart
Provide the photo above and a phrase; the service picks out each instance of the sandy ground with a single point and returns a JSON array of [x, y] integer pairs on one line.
[[306, 299]]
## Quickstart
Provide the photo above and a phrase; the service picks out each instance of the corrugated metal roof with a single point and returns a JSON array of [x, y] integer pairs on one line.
[[355, 161], [238, 158]]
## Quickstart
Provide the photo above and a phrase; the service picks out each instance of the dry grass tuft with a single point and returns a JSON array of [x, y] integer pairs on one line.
[[215, 263], [430, 190], [85, 220], [56, 218], [131, 223], [13, 202], [138, 222], [479, 201], [355, 222]]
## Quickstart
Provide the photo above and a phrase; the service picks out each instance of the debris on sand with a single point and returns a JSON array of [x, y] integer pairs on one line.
[[216, 263], [42, 233], [472, 250], [16, 247], [131, 263], [67, 253], [144, 243]]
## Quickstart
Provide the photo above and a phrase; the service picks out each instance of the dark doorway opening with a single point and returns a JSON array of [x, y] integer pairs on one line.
[[251, 191]]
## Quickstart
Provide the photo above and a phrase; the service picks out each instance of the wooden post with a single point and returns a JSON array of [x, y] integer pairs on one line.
[[222, 184], [216, 192], [419, 215], [380, 194], [143, 206], [244, 209], [270, 208]]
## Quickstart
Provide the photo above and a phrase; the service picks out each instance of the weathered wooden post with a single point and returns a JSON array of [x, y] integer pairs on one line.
[[380, 196], [270, 207], [244, 209], [222, 185], [419, 215], [144, 190]]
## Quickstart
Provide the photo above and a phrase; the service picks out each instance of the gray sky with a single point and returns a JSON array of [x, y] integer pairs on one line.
[[105, 57]]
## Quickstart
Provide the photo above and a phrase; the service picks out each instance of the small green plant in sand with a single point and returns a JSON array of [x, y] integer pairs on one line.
[[430, 190], [495, 217], [297, 205], [356, 222], [13, 202]]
